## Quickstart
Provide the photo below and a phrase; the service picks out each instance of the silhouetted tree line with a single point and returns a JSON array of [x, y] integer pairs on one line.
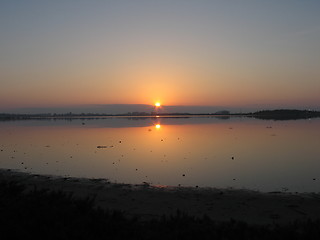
[[279, 114], [9, 116], [285, 114]]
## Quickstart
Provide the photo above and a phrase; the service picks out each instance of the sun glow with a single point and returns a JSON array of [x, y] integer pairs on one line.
[[157, 104], [158, 126]]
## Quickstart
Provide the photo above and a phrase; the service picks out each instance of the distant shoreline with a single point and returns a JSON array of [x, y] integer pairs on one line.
[[278, 114]]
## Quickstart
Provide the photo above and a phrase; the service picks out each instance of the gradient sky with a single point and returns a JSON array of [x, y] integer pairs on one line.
[[200, 52]]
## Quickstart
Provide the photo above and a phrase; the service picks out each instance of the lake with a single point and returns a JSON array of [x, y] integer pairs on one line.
[[219, 152]]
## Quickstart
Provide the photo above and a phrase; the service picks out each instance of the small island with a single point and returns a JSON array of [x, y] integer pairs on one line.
[[285, 114]]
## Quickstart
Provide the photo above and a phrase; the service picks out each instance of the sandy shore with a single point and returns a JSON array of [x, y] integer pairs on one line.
[[148, 201]]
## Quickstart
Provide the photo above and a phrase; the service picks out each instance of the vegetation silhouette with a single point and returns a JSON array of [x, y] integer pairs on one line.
[[43, 214], [285, 114], [278, 114]]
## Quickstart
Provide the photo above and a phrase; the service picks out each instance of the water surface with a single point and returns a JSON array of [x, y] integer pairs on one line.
[[232, 152]]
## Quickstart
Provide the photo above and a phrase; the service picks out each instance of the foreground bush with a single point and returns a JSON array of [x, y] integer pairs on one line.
[[40, 214]]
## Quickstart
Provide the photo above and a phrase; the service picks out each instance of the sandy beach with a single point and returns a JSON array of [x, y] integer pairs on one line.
[[147, 201]]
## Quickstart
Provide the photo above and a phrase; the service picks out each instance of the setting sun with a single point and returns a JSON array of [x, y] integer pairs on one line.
[[157, 104], [158, 126]]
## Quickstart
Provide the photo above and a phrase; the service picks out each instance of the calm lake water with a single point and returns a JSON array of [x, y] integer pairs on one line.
[[235, 152]]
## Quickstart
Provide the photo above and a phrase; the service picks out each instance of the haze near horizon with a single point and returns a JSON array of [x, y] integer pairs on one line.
[[237, 55]]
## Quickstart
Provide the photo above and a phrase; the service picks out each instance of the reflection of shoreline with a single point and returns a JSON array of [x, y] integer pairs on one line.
[[122, 122], [4, 117], [128, 122]]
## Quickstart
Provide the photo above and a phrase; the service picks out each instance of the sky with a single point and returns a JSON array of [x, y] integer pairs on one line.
[[235, 54]]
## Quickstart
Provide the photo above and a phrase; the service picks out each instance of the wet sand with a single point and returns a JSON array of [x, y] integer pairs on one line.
[[147, 201]]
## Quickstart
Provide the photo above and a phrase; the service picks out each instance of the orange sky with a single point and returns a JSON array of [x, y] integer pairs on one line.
[[176, 52]]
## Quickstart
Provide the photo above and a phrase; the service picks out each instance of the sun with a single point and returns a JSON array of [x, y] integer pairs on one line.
[[158, 126], [157, 104]]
